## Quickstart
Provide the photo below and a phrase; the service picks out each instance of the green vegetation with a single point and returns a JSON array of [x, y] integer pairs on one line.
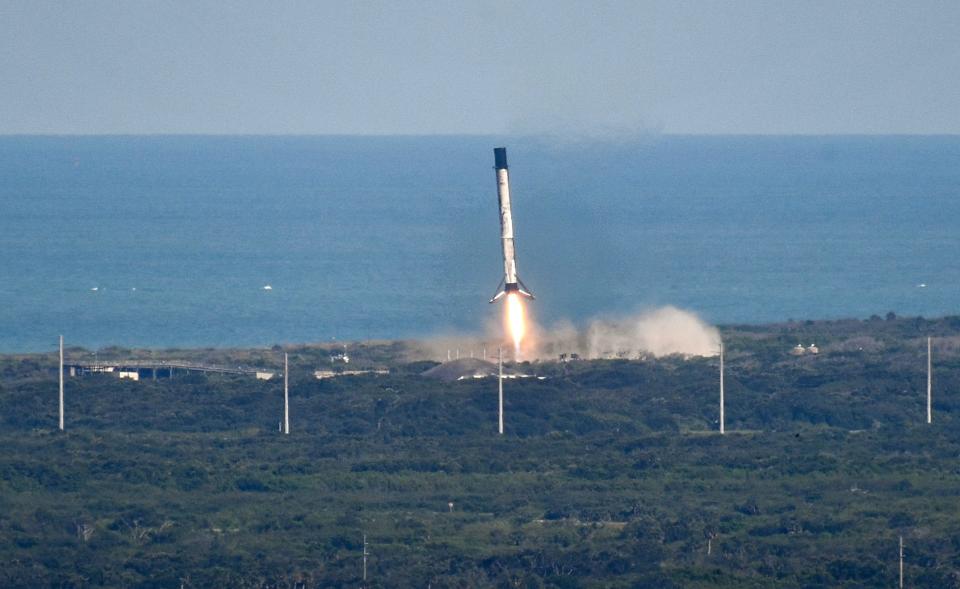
[[610, 474]]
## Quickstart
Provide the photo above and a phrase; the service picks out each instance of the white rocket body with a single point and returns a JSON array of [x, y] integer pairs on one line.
[[511, 282]]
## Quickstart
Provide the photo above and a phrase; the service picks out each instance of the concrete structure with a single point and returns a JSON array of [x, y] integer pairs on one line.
[[322, 374], [140, 369]]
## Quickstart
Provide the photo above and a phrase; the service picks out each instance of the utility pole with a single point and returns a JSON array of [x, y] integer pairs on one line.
[[365, 554], [929, 380], [901, 562], [286, 395], [500, 388], [722, 416], [61, 383]]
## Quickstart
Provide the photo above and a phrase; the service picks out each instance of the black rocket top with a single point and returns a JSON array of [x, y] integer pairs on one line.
[[500, 157]]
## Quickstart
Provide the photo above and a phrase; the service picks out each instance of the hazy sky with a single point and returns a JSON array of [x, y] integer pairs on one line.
[[488, 66]]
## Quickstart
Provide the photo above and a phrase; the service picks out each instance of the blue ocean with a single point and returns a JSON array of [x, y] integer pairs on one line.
[[171, 241]]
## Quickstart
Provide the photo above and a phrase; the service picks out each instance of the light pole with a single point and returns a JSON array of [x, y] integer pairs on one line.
[[722, 416], [61, 383]]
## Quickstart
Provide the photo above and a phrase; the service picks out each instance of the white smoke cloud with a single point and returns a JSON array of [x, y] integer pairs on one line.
[[660, 332], [656, 332]]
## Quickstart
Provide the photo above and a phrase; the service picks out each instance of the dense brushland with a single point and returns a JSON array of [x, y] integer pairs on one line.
[[610, 474]]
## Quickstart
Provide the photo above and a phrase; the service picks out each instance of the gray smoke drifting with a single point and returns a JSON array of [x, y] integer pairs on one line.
[[659, 332]]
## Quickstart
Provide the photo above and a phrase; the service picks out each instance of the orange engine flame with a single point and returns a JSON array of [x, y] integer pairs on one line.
[[516, 322]]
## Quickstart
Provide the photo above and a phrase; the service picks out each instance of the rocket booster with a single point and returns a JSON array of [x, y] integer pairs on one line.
[[510, 282]]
